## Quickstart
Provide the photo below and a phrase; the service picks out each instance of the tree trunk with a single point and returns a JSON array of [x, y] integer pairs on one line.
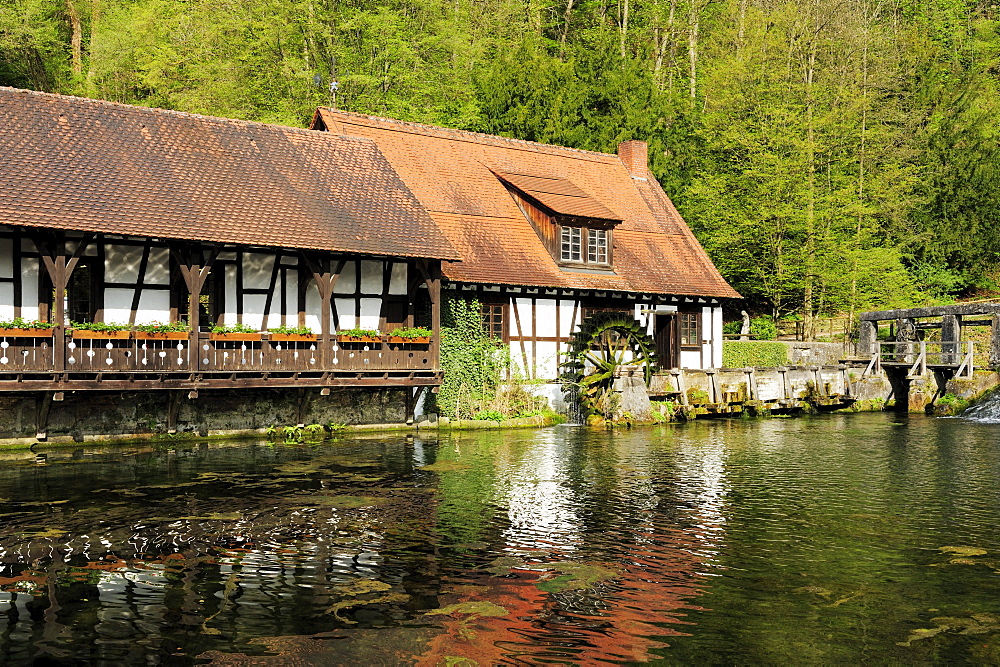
[[76, 39]]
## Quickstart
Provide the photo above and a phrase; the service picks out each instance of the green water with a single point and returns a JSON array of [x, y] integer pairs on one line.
[[866, 538]]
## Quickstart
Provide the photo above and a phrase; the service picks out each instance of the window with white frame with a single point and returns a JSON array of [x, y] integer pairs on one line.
[[597, 246], [572, 238]]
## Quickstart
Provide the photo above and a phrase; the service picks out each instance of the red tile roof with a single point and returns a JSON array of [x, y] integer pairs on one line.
[[559, 195], [454, 174], [86, 165]]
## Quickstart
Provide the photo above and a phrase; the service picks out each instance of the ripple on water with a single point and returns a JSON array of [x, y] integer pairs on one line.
[[855, 538]]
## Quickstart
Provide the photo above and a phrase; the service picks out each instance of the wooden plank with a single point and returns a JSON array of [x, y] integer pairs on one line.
[[932, 311]]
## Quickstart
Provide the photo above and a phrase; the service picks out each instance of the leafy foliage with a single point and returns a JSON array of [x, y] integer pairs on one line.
[[291, 331], [160, 327], [744, 354], [472, 362], [411, 332], [233, 328], [104, 327], [831, 156], [21, 323], [359, 333]]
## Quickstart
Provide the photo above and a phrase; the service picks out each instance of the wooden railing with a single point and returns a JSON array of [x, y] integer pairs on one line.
[[918, 355], [132, 355]]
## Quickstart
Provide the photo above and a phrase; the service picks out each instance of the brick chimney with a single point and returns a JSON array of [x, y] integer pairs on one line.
[[635, 156]]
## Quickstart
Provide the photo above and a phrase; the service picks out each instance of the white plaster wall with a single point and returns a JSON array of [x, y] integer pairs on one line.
[[545, 318], [569, 318], [522, 308], [253, 309], [348, 280], [546, 367], [371, 277], [292, 299], [345, 312], [370, 311], [397, 280], [312, 307], [121, 265], [118, 305], [30, 272], [717, 336], [154, 306], [229, 317], [690, 359], [6, 301], [257, 268]]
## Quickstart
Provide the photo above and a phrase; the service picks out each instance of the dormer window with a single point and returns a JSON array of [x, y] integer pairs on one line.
[[597, 246], [574, 226], [571, 244]]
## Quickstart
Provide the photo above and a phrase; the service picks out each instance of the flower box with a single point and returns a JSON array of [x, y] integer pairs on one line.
[[162, 335], [291, 338], [26, 333], [359, 339], [235, 336], [422, 340], [85, 334]]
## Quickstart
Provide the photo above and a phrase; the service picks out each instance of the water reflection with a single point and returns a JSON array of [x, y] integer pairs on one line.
[[827, 540]]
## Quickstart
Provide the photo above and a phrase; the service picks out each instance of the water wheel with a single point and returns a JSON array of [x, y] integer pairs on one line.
[[605, 344]]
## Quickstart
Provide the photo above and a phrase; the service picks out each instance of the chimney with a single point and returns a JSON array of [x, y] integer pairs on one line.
[[635, 156]]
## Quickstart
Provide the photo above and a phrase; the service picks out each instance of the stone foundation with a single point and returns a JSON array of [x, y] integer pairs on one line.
[[121, 415]]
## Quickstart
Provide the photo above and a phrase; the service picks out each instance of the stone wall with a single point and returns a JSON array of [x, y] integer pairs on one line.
[[102, 415]]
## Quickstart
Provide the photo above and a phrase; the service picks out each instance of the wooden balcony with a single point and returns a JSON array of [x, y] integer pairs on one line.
[[111, 363]]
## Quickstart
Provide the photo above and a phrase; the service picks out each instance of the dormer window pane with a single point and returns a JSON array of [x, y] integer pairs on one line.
[[571, 241], [597, 246]]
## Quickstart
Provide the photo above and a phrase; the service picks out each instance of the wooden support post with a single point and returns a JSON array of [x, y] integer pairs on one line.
[[173, 410], [432, 277], [951, 334], [867, 336], [994, 354], [43, 405], [301, 407], [326, 279], [59, 265], [195, 266]]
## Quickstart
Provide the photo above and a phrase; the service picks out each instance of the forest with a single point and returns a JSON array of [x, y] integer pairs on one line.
[[833, 156]]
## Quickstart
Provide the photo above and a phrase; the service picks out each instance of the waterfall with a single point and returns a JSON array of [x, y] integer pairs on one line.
[[987, 412]]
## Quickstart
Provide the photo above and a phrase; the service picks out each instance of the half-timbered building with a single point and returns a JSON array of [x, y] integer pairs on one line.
[[549, 234], [114, 217]]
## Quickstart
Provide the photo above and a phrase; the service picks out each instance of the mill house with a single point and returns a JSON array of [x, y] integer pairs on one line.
[[549, 235], [143, 249], [149, 249]]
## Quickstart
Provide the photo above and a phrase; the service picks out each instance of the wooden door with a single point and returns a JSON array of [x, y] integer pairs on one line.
[[666, 336]]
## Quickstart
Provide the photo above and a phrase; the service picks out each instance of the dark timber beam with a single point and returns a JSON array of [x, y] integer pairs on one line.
[[59, 266], [432, 278], [932, 311]]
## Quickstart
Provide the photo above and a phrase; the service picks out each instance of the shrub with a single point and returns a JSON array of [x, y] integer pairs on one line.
[[763, 328], [742, 354]]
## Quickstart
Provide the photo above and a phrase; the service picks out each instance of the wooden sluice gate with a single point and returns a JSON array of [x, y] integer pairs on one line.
[[730, 391]]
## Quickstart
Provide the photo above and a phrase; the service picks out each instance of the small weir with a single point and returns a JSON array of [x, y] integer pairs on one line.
[[987, 412]]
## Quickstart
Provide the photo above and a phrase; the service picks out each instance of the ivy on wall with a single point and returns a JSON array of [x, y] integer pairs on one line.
[[472, 362]]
